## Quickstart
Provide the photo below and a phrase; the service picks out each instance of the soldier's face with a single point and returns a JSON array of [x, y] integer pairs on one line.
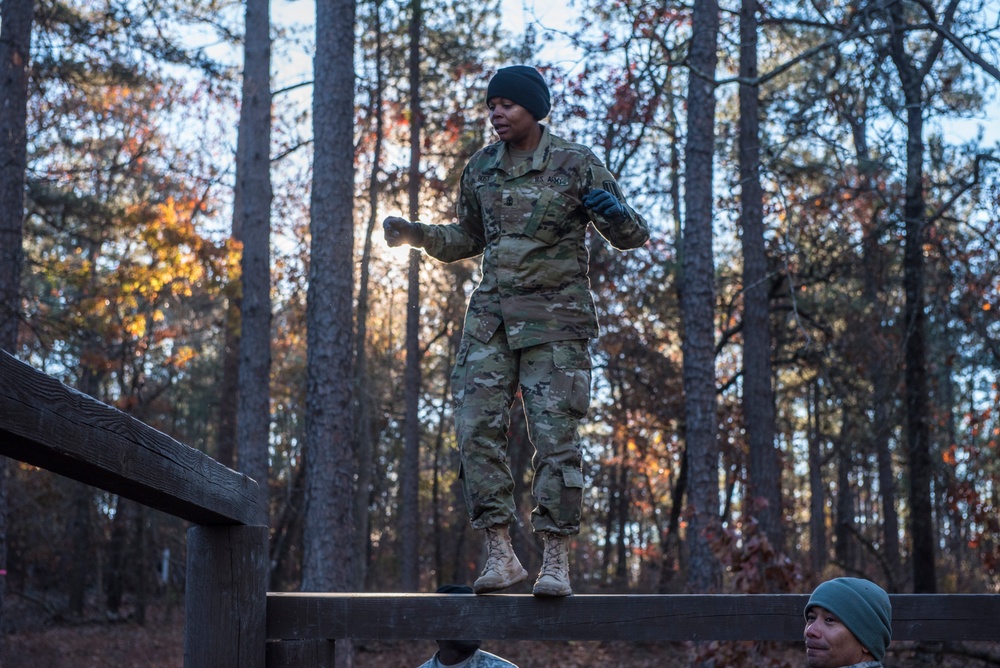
[[513, 123], [830, 644]]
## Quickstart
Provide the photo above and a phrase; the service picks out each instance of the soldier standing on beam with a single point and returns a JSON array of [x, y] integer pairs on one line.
[[525, 204]]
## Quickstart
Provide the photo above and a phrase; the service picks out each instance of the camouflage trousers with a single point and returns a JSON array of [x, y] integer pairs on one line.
[[554, 380]]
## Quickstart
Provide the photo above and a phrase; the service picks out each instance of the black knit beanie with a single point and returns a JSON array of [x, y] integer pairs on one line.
[[455, 589], [523, 85]]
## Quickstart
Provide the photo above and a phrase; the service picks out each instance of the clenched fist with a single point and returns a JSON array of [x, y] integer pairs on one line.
[[399, 231]]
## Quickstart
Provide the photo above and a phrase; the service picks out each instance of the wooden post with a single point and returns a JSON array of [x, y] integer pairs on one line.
[[226, 597]]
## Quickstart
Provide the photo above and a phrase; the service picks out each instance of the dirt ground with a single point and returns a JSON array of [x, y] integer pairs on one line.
[[96, 646], [127, 645]]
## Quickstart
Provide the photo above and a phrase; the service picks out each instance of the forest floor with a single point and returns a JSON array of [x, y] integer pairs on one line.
[[128, 645], [34, 640]]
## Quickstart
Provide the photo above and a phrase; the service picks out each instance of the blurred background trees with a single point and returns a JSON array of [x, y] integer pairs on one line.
[[846, 204]]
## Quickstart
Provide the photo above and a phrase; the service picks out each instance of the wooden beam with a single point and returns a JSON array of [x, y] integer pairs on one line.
[[224, 602], [47, 424], [642, 618]]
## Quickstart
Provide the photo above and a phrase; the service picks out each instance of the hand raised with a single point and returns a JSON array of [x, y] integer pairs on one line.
[[398, 231]]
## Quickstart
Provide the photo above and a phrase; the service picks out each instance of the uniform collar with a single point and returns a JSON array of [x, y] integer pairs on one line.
[[539, 159]]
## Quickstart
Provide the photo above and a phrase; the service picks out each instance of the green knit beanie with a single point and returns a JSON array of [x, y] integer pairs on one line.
[[523, 85], [862, 606]]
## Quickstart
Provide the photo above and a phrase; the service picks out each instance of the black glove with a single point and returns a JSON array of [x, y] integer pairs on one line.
[[605, 205], [399, 231]]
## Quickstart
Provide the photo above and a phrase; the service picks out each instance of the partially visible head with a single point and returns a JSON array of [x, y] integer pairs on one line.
[[523, 85], [846, 617], [454, 589], [451, 652]]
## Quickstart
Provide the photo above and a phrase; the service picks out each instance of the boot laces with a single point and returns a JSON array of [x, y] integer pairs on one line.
[[552, 556], [494, 551]]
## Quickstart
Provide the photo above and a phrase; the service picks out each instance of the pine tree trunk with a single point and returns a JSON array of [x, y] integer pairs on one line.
[[670, 543], [817, 490], [253, 172], [915, 366], [410, 475], [916, 401], [764, 474], [437, 536], [622, 497], [15, 46], [879, 351], [121, 528], [363, 437], [225, 446], [328, 532], [844, 543], [698, 301], [80, 531], [229, 393]]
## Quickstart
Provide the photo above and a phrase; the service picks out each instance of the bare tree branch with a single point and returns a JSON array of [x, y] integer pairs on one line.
[[974, 181], [970, 55]]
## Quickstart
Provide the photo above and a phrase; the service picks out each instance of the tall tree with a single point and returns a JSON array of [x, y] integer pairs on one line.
[[698, 300], [252, 214], [764, 470], [364, 436], [881, 376], [16, 17], [912, 75], [228, 401], [817, 491], [410, 474], [328, 532], [15, 46]]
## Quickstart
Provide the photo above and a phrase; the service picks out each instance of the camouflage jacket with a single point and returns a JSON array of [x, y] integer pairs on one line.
[[530, 226]]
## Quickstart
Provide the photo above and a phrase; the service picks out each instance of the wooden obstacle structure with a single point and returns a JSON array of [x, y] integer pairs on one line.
[[231, 621]]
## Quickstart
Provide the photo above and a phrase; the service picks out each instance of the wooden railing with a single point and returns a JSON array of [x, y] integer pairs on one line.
[[231, 621], [308, 624], [49, 425]]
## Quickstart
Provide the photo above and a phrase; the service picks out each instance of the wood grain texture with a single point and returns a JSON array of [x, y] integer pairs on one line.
[[50, 425], [224, 597], [776, 617]]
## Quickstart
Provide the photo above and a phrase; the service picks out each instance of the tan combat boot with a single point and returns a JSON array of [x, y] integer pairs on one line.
[[502, 568], [553, 578]]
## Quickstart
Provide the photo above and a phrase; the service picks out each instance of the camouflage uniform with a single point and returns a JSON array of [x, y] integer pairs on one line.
[[529, 321]]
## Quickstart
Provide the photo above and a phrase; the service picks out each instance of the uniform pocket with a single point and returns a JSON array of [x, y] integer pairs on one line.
[[572, 477], [549, 217], [569, 392], [571, 496]]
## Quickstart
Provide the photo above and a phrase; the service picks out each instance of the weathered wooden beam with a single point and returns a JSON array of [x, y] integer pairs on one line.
[[642, 618], [47, 424], [224, 597]]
